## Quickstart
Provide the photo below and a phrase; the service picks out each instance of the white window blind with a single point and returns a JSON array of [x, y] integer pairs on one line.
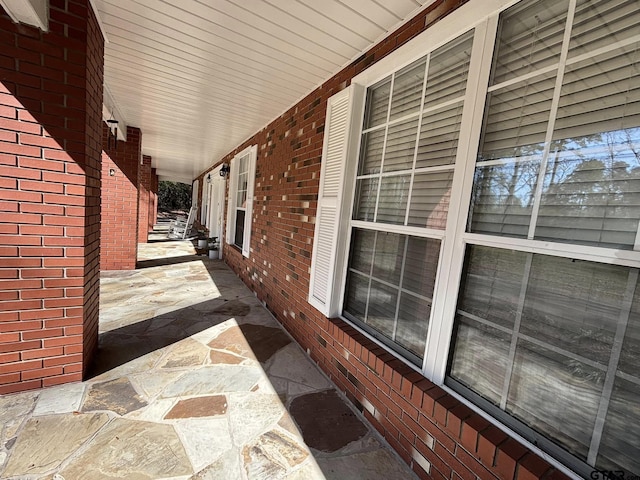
[[531, 38], [408, 152]]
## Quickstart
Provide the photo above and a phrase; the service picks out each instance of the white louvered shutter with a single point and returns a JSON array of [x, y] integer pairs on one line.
[[246, 243], [333, 205]]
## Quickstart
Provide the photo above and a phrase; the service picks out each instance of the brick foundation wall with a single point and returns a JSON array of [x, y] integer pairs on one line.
[[439, 437], [119, 230], [50, 135], [144, 198]]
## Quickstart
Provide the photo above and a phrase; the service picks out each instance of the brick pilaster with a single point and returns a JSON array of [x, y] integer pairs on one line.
[[144, 198], [50, 136], [119, 229]]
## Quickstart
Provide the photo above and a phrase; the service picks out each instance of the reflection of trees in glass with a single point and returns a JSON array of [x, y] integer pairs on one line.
[[503, 195], [587, 167], [592, 184], [510, 185]]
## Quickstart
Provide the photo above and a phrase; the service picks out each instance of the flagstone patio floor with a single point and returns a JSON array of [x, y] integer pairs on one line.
[[194, 379]]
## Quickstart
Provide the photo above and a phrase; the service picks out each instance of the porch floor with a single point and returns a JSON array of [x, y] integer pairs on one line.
[[194, 379]]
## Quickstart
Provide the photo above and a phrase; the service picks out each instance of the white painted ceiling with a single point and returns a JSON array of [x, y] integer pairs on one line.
[[199, 77]]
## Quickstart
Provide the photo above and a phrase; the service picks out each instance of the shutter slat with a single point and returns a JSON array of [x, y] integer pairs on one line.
[[323, 249]]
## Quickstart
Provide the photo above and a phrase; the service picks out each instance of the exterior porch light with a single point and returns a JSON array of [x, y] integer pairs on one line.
[[113, 129], [225, 169]]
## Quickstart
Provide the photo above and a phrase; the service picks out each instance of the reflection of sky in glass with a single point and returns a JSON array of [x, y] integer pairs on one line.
[[513, 154]]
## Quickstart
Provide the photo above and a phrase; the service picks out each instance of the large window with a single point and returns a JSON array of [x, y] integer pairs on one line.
[[409, 146], [548, 339], [243, 168], [494, 236]]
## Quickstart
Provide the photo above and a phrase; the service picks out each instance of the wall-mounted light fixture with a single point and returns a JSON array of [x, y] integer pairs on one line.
[[225, 169], [209, 178], [113, 130]]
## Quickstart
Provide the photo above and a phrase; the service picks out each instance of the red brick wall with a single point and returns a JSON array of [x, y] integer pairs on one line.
[[144, 193], [421, 421], [119, 229], [153, 200], [50, 129]]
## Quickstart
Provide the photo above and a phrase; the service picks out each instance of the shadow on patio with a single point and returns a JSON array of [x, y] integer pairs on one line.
[[194, 379]]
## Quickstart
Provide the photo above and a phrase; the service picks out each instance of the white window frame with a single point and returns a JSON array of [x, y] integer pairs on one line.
[[451, 27], [483, 16], [252, 152], [204, 201]]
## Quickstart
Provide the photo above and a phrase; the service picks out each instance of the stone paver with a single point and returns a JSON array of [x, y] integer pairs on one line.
[[117, 395], [199, 407], [326, 422], [131, 449], [194, 379], [46, 441]]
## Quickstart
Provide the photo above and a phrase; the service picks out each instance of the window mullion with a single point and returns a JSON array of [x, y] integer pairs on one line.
[[397, 312], [522, 78], [610, 377], [588, 253], [605, 49], [452, 251], [516, 331], [417, 145], [537, 196], [399, 229], [373, 254], [384, 147], [441, 105]]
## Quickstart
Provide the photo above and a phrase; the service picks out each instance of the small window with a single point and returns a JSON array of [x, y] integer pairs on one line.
[[243, 168]]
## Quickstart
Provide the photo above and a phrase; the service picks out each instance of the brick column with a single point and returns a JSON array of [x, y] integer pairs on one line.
[[50, 138], [144, 193], [119, 229], [153, 203]]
